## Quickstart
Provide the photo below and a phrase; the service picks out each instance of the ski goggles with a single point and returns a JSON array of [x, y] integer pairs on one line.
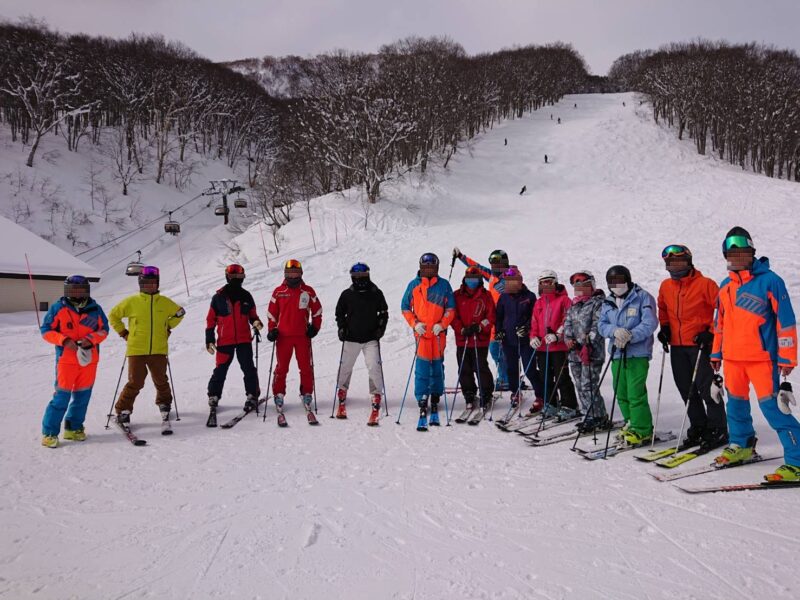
[[737, 241], [676, 250], [581, 279], [234, 272], [76, 286], [150, 272], [429, 259]]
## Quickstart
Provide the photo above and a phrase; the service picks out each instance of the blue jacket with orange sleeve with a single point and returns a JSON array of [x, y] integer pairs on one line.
[[429, 301], [64, 321], [755, 320]]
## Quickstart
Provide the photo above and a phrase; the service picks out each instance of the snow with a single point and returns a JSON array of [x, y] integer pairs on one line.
[[344, 510], [44, 257]]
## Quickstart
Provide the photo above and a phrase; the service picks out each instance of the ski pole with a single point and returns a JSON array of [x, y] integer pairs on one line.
[[444, 391], [336, 383], [622, 367], [477, 371], [114, 399], [410, 371], [688, 400], [553, 393], [594, 391], [458, 381], [502, 358], [452, 264], [313, 374], [269, 381], [383, 379], [664, 351], [257, 338], [174, 397]]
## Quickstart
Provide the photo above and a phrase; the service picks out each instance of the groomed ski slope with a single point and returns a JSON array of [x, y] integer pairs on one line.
[[347, 511]]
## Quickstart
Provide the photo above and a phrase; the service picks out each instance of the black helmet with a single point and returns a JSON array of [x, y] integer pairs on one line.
[[76, 288], [429, 258], [498, 257], [617, 271], [737, 237]]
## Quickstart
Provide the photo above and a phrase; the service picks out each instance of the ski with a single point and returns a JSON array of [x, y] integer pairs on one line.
[[546, 423], [619, 448], [710, 468], [243, 414], [505, 423], [212, 417], [476, 417], [126, 429], [464, 416], [683, 457], [741, 487], [312, 418], [654, 455], [563, 436]]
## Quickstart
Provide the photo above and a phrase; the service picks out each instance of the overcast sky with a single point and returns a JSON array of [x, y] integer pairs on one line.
[[600, 30]]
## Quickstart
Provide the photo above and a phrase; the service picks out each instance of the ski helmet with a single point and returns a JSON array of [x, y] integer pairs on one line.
[[580, 277], [149, 280], [738, 237], [512, 280], [677, 250], [498, 257], [512, 273], [473, 278], [616, 272], [359, 274], [293, 268], [234, 272], [548, 274], [428, 265], [76, 288]]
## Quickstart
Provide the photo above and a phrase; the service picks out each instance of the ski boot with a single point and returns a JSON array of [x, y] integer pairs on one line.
[[620, 435], [124, 417], [422, 424], [213, 401], [735, 453], [375, 415], [591, 424], [550, 411], [434, 418], [50, 441], [164, 410], [279, 402], [694, 437], [515, 398], [713, 438], [782, 473], [500, 386], [566, 413], [341, 411], [631, 438], [76, 435], [536, 407], [250, 404], [307, 400]]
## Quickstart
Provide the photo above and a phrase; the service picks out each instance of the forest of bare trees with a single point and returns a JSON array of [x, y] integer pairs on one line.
[[349, 119], [744, 99]]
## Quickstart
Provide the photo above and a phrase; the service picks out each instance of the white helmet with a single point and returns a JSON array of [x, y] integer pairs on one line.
[[547, 274]]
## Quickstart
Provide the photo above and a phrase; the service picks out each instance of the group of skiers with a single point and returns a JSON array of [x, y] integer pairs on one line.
[[746, 328]]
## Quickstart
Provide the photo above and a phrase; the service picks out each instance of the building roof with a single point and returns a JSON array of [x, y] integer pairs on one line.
[[47, 261]]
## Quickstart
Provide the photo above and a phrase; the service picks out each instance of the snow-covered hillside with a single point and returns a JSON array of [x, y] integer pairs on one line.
[[347, 511]]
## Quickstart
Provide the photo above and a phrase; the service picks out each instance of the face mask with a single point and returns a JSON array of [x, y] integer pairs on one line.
[[619, 290], [679, 274], [294, 282], [360, 283], [498, 271], [78, 302], [472, 283], [236, 283]]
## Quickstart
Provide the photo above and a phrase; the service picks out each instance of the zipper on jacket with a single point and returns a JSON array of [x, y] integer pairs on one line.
[[151, 324], [678, 312], [233, 315]]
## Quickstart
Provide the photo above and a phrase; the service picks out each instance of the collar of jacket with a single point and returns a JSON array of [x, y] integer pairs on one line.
[[760, 266]]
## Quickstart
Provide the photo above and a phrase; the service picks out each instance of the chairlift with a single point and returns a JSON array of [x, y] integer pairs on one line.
[[222, 211], [240, 203], [135, 267], [172, 226]]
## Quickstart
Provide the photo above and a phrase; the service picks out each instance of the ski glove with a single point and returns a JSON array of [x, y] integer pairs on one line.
[[70, 344], [535, 343], [704, 339], [379, 332], [272, 335], [311, 331], [124, 334], [621, 337], [786, 371], [786, 398], [258, 325], [551, 338], [85, 343], [716, 365], [437, 329], [665, 335], [342, 334], [456, 252], [523, 331], [419, 328], [499, 336], [211, 347], [717, 393]]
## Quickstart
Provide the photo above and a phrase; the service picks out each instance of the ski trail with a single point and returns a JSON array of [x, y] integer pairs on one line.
[[685, 550]]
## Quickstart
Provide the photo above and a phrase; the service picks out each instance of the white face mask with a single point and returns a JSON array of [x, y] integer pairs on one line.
[[619, 290]]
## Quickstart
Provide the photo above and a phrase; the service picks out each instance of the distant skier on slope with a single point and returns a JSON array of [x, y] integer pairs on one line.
[[545, 159], [523, 190], [151, 319], [686, 302], [76, 325], [361, 318], [473, 325], [231, 314], [428, 307], [755, 336], [493, 274], [628, 320], [295, 317], [587, 352]]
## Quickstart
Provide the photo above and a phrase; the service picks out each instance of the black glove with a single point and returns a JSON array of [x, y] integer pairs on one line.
[[379, 332], [342, 334], [523, 331], [499, 336], [311, 331], [704, 339], [272, 335], [665, 335]]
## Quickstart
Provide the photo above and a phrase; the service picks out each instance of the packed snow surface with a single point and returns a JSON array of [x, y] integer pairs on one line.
[[346, 511]]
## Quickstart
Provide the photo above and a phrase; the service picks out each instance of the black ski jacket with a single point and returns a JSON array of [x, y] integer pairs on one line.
[[363, 314]]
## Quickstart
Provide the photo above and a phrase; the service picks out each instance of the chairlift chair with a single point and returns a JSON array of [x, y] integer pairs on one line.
[[240, 203], [172, 226], [221, 211], [135, 266]]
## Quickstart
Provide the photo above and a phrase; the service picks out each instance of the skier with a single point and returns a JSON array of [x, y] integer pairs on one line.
[[493, 274], [545, 159], [628, 320], [686, 301], [512, 329], [151, 318], [361, 318], [473, 324], [547, 337], [559, 120], [505, 141], [291, 306], [75, 325], [587, 352], [755, 336], [428, 306], [231, 313], [523, 190]]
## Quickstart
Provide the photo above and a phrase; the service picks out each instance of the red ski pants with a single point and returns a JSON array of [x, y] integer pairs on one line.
[[300, 345]]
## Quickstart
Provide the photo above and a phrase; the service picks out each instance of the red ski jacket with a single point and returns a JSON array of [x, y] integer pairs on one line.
[[231, 312], [548, 316], [290, 309], [474, 306]]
